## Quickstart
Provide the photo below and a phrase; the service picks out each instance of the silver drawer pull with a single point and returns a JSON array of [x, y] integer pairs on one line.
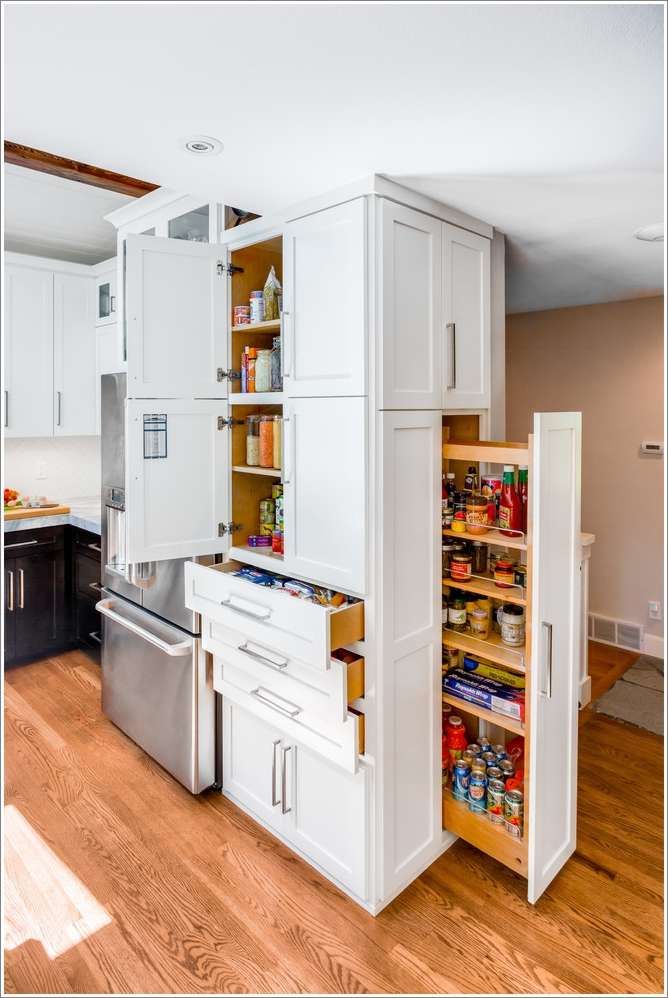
[[273, 664], [265, 615], [284, 781], [23, 544], [96, 586], [274, 799], [95, 547], [284, 706]]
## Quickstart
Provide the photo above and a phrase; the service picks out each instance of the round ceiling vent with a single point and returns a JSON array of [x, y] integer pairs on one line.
[[203, 145], [650, 233]]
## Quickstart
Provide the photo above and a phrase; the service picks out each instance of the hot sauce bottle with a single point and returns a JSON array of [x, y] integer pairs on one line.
[[510, 504]]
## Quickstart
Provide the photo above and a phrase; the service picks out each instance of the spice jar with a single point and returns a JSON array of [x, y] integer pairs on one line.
[[457, 613], [263, 371], [479, 553], [504, 573], [278, 426], [479, 623], [512, 622], [266, 441], [460, 567], [447, 550], [252, 441], [477, 521]]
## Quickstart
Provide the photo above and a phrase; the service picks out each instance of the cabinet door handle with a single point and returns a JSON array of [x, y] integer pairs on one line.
[[452, 380], [286, 341], [59, 398], [6, 419], [546, 686], [21, 589], [291, 432], [285, 707], [95, 636], [96, 586], [284, 780], [20, 544], [95, 547], [10, 594], [273, 664], [112, 303], [275, 801], [244, 613]]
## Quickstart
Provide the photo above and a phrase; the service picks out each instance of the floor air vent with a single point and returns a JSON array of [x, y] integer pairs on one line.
[[615, 632]]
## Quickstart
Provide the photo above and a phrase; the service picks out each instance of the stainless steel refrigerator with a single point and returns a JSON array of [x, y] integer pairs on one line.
[[154, 681]]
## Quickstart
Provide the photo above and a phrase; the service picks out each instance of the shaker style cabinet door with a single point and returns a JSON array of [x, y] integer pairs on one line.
[[324, 316], [324, 483], [555, 644], [410, 320], [467, 295], [177, 457], [252, 764], [74, 356], [27, 400], [176, 320]]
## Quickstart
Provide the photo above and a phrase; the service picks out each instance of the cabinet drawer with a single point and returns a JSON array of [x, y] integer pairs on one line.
[[86, 576], [335, 740], [36, 541], [84, 542], [292, 627]]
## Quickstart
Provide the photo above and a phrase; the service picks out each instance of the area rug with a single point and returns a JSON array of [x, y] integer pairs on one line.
[[637, 697]]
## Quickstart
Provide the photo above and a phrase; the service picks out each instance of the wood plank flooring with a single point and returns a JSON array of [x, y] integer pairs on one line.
[[606, 665], [119, 881]]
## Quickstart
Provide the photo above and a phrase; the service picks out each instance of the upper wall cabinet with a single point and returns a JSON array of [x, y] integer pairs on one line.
[[410, 309], [105, 295], [74, 361], [28, 372], [324, 316], [176, 299], [466, 293]]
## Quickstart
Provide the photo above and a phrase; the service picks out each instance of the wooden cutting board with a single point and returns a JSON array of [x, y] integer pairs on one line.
[[23, 513]]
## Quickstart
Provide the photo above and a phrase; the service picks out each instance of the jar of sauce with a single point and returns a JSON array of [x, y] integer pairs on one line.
[[457, 614], [504, 573], [477, 518], [461, 567], [479, 552]]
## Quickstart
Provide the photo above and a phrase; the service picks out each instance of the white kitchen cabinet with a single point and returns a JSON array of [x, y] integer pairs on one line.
[[176, 300], [28, 369], [324, 481], [106, 295], [466, 298], [313, 805], [177, 456], [74, 356], [325, 303], [410, 347]]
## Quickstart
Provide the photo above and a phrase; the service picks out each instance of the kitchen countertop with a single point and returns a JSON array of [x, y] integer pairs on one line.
[[84, 512]]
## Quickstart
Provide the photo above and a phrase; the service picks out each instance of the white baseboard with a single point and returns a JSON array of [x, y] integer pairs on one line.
[[653, 645]]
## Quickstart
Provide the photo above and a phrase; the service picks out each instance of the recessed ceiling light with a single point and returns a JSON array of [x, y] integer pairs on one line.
[[203, 145], [650, 233]]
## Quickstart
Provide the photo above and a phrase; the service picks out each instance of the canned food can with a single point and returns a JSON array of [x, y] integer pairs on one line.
[[494, 773], [267, 511], [513, 813], [479, 765], [469, 756], [507, 768], [500, 752], [484, 743], [474, 748], [461, 778], [489, 757], [477, 794], [496, 793], [278, 512], [276, 491]]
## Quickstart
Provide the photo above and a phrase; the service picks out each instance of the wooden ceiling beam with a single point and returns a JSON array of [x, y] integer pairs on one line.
[[60, 166]]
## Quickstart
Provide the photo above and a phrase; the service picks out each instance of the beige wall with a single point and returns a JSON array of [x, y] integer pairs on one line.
[[606, 361]]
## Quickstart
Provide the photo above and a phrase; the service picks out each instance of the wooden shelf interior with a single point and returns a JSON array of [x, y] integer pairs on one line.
[[491, 648], [489, 451], [493, 536], [251, 485], [487, 587], [479, 831], [256, 261], [498, 720]]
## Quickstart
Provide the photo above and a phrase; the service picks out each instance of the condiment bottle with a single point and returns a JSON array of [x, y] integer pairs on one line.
[[456, 738], [523, 490], [510, 504]]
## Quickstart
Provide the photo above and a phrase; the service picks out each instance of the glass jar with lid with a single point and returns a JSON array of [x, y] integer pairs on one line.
[[263, 371], [253, 441], [266, 441]]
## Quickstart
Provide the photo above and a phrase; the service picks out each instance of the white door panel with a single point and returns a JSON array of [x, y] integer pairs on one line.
[[252, 763], [324, 318], [410, 321], [177, 478], [555, 642], [324, 479], [28, 366], [176, 308], [74, 360], [467, 293]]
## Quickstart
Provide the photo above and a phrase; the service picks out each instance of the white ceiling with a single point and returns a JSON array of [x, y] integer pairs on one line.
[[545, 120], [58, 218]]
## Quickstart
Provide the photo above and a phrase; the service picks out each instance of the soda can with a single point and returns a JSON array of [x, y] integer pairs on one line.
[[494, 773], [484, 743], [490, 758], [477, 792], [479, 766], [461, 778], [276, 491], [469, 756], [507, 768], [474, 748], [513, 813], [496, 793], [500, 751]]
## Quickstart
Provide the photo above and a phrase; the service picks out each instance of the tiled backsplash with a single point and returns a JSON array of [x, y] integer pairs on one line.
[[70, 466]]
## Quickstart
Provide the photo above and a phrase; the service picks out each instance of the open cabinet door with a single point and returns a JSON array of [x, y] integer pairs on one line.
[[176, 310], [177, 455], [555, 643]]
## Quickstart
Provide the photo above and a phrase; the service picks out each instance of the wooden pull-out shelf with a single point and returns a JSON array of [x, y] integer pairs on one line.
[[492, 716], [487, 587], [493, 536], [491, 648], [491, 451], [478, 831]]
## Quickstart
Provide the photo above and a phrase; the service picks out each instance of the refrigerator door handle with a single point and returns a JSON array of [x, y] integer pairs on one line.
[[105, 607]]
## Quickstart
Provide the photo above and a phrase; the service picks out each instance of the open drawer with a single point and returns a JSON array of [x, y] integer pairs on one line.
[[326, 693], [336, 740], [291, 627]]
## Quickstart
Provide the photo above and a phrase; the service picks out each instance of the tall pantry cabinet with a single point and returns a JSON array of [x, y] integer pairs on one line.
[[332, 716]]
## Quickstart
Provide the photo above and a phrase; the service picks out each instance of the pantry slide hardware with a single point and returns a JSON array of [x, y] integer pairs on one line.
[[452, 381]]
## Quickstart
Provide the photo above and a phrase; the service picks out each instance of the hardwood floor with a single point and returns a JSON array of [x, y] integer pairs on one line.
[[119, 881], [606, 665]]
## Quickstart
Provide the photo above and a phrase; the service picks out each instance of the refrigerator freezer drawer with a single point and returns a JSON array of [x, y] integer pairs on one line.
[[155, 689]]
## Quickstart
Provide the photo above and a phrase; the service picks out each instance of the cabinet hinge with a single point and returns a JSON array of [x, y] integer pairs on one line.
[[228, 528], [227, 268], [230, 375], [223, 422]]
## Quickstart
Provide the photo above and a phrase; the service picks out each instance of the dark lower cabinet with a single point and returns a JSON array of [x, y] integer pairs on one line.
[[52, 583]]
